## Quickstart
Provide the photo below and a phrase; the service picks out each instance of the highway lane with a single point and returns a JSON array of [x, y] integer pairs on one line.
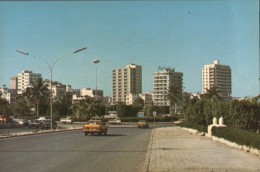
[[123, 149]]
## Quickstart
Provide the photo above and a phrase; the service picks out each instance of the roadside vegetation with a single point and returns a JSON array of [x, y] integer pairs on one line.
[[241, 117]]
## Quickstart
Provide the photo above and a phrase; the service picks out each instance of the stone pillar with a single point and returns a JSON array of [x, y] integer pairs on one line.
[[221, 121], [215, 121]]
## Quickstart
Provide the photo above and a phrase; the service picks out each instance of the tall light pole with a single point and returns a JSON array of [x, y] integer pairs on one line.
[[96, 61], [51, 66]]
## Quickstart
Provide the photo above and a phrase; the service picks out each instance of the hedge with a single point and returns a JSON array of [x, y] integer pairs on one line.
[[149, 119], [200, 128], [242, 137]]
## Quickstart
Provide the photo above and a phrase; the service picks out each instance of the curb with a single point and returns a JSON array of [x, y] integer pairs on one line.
[[224, 141], [11, 135], [36, 133]]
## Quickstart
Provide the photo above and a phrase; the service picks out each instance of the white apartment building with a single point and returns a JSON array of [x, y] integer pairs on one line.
[[127, 81], [25, 79], [219, 76], [58, 89], [91, 92], [162, 80], [147, 99], [13, 83]]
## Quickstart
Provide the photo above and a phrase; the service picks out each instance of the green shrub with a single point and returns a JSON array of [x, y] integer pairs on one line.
[[241, 137], [200, 128], [148, 119]]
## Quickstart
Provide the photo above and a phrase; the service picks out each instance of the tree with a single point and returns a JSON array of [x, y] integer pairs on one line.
[[62, 107], [212, 93], [174, 96], [21, 106], [37, 93], [4, 107], [85, 108]]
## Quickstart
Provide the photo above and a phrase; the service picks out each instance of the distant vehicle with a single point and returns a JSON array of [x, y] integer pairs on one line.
[[46, 124], [33, 124], [67, 120], [3, 119], [115, 121], [23, 122], [95, 127], [43, 118], [142, 124]]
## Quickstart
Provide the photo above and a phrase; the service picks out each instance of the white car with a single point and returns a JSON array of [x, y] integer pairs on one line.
[[115, 121], [67, 120]]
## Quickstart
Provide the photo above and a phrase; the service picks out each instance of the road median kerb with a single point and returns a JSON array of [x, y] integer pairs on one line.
[[10, 135]]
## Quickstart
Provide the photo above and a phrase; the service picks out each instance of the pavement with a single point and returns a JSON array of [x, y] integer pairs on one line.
[[173, 149]]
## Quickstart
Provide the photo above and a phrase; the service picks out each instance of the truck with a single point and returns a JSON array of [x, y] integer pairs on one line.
[[67, 120]]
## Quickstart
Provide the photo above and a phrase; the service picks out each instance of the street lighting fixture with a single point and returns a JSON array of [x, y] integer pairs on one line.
[[51, 66], [96, 61]]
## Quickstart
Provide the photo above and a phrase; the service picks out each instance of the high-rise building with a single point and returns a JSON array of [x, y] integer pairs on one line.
[[26, 79], [126, 81], [162, 80], [13, 83], [218, 76]]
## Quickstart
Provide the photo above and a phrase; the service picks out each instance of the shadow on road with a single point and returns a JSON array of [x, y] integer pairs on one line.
[[111, 135]]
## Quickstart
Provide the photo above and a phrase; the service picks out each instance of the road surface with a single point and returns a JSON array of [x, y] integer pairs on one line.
[[123, 149]]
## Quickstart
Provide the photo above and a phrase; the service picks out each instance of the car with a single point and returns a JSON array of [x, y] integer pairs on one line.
[[23, 122], [46, 124], [33, 124], [67, 120], [116, 121], [95, 127], [142, 124]]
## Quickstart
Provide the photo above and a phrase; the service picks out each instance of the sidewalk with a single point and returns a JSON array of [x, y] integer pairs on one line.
[[173, 149]]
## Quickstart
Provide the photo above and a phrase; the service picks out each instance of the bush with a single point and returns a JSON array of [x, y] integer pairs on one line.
[[149, 119], [242, 137], [200, 128]]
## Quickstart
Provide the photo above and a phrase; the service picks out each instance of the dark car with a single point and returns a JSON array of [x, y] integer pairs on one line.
[[46, 124], [33, 124]]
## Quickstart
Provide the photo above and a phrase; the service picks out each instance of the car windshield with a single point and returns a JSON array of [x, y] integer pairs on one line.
[[94, 122]]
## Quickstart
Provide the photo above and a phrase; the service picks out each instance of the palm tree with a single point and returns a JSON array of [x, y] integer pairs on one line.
[[212, 93], [37, 92], [174, 96]]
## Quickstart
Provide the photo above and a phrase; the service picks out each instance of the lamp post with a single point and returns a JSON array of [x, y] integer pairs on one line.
[[51, 66], [96, 61]]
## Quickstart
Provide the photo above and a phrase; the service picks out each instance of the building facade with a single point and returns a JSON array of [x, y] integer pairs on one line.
[[162, 80], [13, 83], [126, 81], [218, 76], [26, 79]]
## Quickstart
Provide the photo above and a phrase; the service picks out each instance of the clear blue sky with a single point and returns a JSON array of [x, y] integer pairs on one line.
[[185, 35]]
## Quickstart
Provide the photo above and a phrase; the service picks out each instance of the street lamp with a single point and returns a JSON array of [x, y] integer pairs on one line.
[[51, 66], [96, 61]]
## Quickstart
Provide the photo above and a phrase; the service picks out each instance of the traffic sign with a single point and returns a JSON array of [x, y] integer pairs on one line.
[[154, 113]]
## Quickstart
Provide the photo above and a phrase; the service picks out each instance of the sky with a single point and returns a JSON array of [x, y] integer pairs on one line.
[[185, 35]]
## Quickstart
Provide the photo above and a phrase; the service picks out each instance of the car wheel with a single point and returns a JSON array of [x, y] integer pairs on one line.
[[86, 133]]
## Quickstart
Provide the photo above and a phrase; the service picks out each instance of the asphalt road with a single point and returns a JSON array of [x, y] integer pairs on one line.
[[123, 149]]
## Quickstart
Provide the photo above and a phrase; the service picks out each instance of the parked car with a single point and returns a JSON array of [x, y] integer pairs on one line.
[[46, 124], [142, 124], [95, 127], [115, 121], [23, 122], [33, 124], [67, 120]]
